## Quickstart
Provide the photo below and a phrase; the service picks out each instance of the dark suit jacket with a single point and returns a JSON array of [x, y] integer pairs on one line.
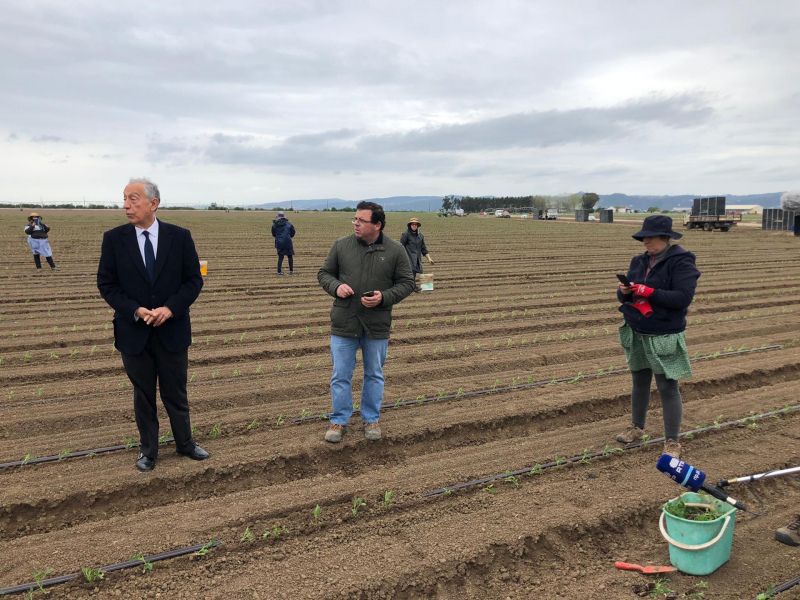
[[123, 283]]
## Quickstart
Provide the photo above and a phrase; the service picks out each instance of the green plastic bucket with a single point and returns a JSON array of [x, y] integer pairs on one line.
[[698, 547]]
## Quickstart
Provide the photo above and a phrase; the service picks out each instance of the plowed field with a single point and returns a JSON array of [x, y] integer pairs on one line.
[[512, 361]]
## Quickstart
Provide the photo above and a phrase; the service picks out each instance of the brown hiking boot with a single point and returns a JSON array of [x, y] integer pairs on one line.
[[372, 431], [335, 433], [673, 448], [631, 434], [790, 535]]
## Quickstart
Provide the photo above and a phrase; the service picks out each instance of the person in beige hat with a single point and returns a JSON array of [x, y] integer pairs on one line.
[[37, 241], [414, 243]]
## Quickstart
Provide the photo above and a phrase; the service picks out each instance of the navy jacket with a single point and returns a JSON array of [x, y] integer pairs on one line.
[[674, 279], [283, 232], [123, 283]]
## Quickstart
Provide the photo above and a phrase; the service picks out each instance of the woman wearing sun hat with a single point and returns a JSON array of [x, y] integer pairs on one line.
[[37, 241], [414, 243], [661, 287]]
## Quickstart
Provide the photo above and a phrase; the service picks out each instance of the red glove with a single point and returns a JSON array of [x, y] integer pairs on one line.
[[641, 290], [643, 306]]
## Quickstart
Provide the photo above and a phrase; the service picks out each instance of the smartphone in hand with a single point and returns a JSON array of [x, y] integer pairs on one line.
[[623, 279], [368, 294]]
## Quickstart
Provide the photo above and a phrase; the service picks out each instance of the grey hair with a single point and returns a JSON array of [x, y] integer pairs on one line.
[[150, 188]]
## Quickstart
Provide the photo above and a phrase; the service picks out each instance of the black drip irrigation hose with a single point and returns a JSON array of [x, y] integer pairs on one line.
[[326, 416], [116, 567], [587, 457], [786, 585], [78, 454]]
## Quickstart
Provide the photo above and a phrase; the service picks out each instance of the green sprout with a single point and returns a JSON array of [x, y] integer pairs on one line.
[[275, 531], [248, 536], [281, 420], [130, 442], [387, 499], [253, 425], [511, 479], [357, 503], [206, 548], [317, 514], [146, 564], [39, 576], [490, 488], [91, 575], [215, 430]]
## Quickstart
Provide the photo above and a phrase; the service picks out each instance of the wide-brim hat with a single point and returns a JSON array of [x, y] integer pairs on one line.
[[655, 226], [34, 215], [414, 220]]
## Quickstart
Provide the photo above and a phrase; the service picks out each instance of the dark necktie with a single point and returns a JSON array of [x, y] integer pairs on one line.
[[149, 255]]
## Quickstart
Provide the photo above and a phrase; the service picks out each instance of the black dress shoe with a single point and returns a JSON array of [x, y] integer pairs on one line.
[[197, 453], [145, 463]]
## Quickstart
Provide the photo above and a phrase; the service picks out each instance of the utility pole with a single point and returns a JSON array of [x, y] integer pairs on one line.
[[84, 202]]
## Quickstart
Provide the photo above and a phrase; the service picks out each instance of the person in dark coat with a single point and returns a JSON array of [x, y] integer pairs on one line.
[[283, 232], [661, 286], [414, 243], [37, 241], [149, 273]]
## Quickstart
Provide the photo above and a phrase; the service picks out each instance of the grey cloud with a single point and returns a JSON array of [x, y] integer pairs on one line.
[[12, 137], [548, 128], [39, 139]]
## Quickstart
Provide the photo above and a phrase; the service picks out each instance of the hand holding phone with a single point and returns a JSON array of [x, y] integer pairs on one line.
[[368, 294], [623, 280]]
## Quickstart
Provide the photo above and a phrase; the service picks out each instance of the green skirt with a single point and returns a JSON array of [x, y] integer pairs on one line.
[[664, 354]]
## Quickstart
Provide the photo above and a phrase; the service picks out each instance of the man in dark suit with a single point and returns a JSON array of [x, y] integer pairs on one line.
[[149, 274]]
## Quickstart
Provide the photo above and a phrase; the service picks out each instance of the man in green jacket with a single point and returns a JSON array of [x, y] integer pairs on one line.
[[366, 273]]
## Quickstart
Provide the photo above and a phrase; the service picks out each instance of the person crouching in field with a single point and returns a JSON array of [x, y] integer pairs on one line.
[[414, 243], [366, 273], [654, 305], [37, 241]]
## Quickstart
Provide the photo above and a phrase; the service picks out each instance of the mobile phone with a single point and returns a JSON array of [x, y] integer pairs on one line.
[[368, 294], [624, 279]]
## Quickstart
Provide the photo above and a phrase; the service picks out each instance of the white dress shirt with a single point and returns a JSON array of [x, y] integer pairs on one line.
[[153, 232]]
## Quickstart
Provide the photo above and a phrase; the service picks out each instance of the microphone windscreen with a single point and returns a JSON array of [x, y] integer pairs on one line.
[[681, 472]]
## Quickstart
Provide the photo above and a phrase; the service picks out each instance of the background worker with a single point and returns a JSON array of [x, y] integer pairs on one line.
[[366, 273], [283, 232], [414, 243], [662, 285], [149, 273], [37, 241]]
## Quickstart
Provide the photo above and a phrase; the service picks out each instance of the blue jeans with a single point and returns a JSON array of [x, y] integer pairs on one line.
[[343, 354]]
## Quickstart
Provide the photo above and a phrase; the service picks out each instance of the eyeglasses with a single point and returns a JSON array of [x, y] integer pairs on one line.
[[361, 221]]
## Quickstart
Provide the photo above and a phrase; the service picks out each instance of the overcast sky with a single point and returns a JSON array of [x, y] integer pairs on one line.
[[251, 101]]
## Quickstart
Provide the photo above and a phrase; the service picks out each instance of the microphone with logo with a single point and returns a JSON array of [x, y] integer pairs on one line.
[[692, 479]]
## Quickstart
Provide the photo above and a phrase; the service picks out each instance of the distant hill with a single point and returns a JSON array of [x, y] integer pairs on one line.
[[396, 203], [771, 200], [434, 203]]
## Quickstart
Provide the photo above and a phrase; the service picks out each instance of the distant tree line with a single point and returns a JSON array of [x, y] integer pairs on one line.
[[564, 203]]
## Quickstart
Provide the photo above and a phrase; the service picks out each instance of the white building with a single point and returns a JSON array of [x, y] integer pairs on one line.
[[753, 209], [620, 209]]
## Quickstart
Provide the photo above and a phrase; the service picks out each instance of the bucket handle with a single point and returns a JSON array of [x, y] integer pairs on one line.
[[683, 546]]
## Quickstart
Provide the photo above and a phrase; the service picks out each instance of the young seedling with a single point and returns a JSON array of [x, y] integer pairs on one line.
[[490, 488], [259, 369], [586, 459], [162, 439], [357, 503], [646, 437], [317, 514], [91, 574], [248, 537], [281, 420], [237, 373], [28, 458], [215, 430], [511, 479], [387, 499], [660, 587], [206, 548], [253, 425], [448, 492], [146, 564], [64, 453], [39, 576], [305, 413], [275, 531]]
